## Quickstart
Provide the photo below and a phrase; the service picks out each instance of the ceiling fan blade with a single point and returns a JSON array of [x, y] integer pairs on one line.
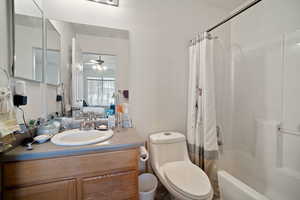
[[94, 61]]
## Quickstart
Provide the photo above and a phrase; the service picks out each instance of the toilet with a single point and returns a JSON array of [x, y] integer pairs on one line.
[[172, 165]]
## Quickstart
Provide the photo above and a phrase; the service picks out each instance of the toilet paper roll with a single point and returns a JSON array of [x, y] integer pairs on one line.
[[144, 155]]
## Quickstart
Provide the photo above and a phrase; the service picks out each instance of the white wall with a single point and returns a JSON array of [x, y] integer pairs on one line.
[[4, 39], [263, 82], [159, 35]]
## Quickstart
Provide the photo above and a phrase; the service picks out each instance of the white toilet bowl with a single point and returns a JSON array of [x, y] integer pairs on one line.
[[171, 163]]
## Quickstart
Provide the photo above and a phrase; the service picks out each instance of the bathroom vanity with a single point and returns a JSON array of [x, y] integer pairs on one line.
[[107, 170]]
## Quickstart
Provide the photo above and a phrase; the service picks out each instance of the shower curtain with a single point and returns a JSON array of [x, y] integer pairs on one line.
[[201, 120]]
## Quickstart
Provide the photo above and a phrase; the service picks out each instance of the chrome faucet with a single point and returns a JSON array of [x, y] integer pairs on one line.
[[88, 123]]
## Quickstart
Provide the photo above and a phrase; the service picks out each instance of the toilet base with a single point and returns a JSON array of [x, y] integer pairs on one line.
[[175, 198]]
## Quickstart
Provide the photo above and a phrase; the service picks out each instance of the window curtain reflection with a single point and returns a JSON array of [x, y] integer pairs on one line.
[[100, 91]]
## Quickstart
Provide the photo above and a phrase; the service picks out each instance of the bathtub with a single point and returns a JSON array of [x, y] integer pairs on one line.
[[233, 189]]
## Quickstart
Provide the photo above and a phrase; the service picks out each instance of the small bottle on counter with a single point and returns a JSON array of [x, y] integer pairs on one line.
[[111, 122]]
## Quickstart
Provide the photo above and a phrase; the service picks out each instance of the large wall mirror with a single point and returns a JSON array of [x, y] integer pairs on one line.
[[100, 68], [28, 21], [37, 52], [87, 65]]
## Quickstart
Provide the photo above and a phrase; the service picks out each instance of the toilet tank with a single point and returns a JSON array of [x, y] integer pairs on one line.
[[167, 147]]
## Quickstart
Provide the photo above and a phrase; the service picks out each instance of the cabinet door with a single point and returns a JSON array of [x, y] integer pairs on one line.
[[63, 190], [118, 186]]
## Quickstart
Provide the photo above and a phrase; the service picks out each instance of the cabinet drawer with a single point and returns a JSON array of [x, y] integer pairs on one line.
[[38, 171], [63, 190], [118, 186]]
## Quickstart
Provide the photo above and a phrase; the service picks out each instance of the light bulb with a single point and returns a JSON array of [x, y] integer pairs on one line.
[[104, 68], [99, 67]]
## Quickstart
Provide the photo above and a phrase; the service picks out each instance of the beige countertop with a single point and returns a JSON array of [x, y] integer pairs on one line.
[[122, 139]]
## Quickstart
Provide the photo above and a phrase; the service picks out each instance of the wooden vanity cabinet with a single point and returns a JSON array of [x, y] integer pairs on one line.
[[49, 191], [97, 176], [113, 186]]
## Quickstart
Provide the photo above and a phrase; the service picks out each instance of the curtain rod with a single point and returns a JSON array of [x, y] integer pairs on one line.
[[234, 15]]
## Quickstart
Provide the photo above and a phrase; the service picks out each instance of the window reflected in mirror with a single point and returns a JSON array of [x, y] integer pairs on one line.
[[99, 73]]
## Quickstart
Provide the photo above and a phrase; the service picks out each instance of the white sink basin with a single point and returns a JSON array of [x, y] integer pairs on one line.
[[77, 137]]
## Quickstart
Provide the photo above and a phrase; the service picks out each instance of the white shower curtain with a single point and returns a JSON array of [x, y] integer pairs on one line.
[[201, 119]]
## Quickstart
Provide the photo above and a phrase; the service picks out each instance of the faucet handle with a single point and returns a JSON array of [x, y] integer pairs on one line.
[[83, 124]]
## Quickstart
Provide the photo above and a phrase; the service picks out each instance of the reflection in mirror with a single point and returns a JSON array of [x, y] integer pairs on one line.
[[99, 72], [52, 55], [100, 68], [28, 40]]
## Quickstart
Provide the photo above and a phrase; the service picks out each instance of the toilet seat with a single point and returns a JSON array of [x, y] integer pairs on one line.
[[187, 179]]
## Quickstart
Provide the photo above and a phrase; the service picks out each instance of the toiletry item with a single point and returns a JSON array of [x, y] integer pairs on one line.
[[125, 108], [42, 138], [113, 108], [119, 108], [126, 121], [109, 112], [111, 122]]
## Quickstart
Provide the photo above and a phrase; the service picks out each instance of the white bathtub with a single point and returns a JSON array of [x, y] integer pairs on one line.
[[233, 189]]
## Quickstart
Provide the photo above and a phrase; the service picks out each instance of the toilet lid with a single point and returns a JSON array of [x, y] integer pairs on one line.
[[188, 179]]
